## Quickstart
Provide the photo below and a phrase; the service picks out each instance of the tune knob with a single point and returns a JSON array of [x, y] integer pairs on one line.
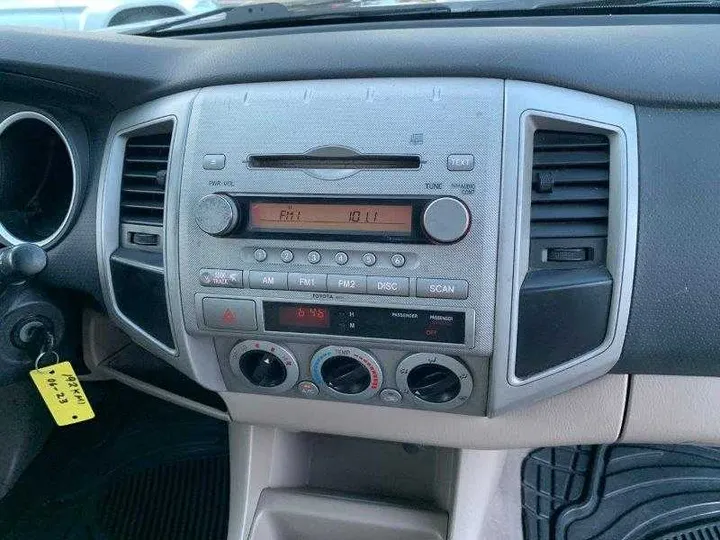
[[446, 220], [217, 214]]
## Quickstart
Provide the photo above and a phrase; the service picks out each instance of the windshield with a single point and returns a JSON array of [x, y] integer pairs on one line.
[[140, 15]]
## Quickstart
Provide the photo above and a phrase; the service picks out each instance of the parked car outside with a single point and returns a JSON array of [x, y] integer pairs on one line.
[[95, 14]]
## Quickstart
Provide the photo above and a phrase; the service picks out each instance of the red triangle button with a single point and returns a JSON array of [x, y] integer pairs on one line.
[[229, 316]]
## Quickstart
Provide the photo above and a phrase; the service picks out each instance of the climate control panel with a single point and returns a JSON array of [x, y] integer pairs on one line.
[[421, 380]]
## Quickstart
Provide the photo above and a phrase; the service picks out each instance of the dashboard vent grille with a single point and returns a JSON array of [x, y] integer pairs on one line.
[[570, 185], [143, 179]]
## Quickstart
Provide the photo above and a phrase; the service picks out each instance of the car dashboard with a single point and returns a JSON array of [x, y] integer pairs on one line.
[[471, 235]]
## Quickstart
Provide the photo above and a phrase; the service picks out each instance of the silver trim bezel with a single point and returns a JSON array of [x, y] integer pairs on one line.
[[530, 106], [47, 242]]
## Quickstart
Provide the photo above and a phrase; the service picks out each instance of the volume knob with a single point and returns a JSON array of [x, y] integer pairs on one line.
[[446, 220], [217, 214]]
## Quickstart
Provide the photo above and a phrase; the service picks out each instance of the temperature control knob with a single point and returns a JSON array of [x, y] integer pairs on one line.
[[446, 220], [217, 214], [346, 372], [264, 365]]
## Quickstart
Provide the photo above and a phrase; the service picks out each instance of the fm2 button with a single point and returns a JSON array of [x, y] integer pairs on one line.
[[347, 284]]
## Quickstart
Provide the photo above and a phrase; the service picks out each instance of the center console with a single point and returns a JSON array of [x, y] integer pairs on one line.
[[339, 240], [463, 246]]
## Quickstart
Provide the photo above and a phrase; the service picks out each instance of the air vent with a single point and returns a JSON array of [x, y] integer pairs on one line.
[[570, 191], [570, 185], [143, 180]]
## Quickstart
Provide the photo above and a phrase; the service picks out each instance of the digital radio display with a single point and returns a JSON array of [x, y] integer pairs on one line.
[[304, 316], [328, 218]]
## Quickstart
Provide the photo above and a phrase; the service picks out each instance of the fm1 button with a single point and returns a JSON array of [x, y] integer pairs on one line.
[[388, 286], [229, 314], [307, 282], [457, 289]]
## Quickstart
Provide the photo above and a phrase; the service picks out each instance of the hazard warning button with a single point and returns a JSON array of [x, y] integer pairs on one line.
[[229, 314]]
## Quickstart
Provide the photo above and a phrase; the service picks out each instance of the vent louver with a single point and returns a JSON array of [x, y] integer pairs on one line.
[[570, 185], [143, 180]]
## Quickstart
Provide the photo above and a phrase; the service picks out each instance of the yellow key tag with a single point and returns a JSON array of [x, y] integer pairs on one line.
[[62, 393]]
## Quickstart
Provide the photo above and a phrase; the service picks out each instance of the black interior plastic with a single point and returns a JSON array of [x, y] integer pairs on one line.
[[562, 314], [36, 180]]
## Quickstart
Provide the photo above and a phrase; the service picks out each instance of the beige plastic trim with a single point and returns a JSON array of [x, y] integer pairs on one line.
[[291, 514], [673, 410], [476, 480], [590, 414]]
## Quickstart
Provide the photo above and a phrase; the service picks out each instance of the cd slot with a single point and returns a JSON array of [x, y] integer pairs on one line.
[[306, 161]]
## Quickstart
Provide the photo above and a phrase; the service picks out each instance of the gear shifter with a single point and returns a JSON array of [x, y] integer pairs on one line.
[[21, 262]]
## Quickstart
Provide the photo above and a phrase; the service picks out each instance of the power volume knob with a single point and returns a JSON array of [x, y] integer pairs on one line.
[[446, 220], [217, 214]]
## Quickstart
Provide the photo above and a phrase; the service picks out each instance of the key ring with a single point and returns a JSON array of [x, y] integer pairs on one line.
[[48, 351]]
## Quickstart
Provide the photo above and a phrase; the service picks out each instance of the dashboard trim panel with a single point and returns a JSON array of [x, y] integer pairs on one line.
[[527, 104]]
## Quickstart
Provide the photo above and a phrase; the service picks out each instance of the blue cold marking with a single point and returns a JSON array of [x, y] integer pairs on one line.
[[315, 368]]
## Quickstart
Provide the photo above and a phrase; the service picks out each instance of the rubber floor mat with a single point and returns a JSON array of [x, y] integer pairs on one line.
[[142, 470], [623, 492]]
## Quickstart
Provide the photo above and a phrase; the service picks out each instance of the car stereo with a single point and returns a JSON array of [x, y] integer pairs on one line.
[[367, 225]]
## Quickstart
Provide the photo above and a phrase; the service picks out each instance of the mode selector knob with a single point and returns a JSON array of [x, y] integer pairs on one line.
[[217, 214], [446, 220]]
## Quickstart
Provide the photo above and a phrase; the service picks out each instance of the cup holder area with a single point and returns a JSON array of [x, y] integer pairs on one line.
[[38, 180]]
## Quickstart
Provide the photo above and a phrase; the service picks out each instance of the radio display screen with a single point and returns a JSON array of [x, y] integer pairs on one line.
[[303, 316], [342, 218]]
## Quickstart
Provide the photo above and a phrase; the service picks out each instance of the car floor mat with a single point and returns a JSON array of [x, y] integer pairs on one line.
[[142, 469], [622, 492]]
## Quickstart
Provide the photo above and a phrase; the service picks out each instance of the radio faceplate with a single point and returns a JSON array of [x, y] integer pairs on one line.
[[370, 206], [455, 130]]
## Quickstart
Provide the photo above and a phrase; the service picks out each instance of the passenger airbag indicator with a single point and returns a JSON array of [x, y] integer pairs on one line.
[[363, 321]]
